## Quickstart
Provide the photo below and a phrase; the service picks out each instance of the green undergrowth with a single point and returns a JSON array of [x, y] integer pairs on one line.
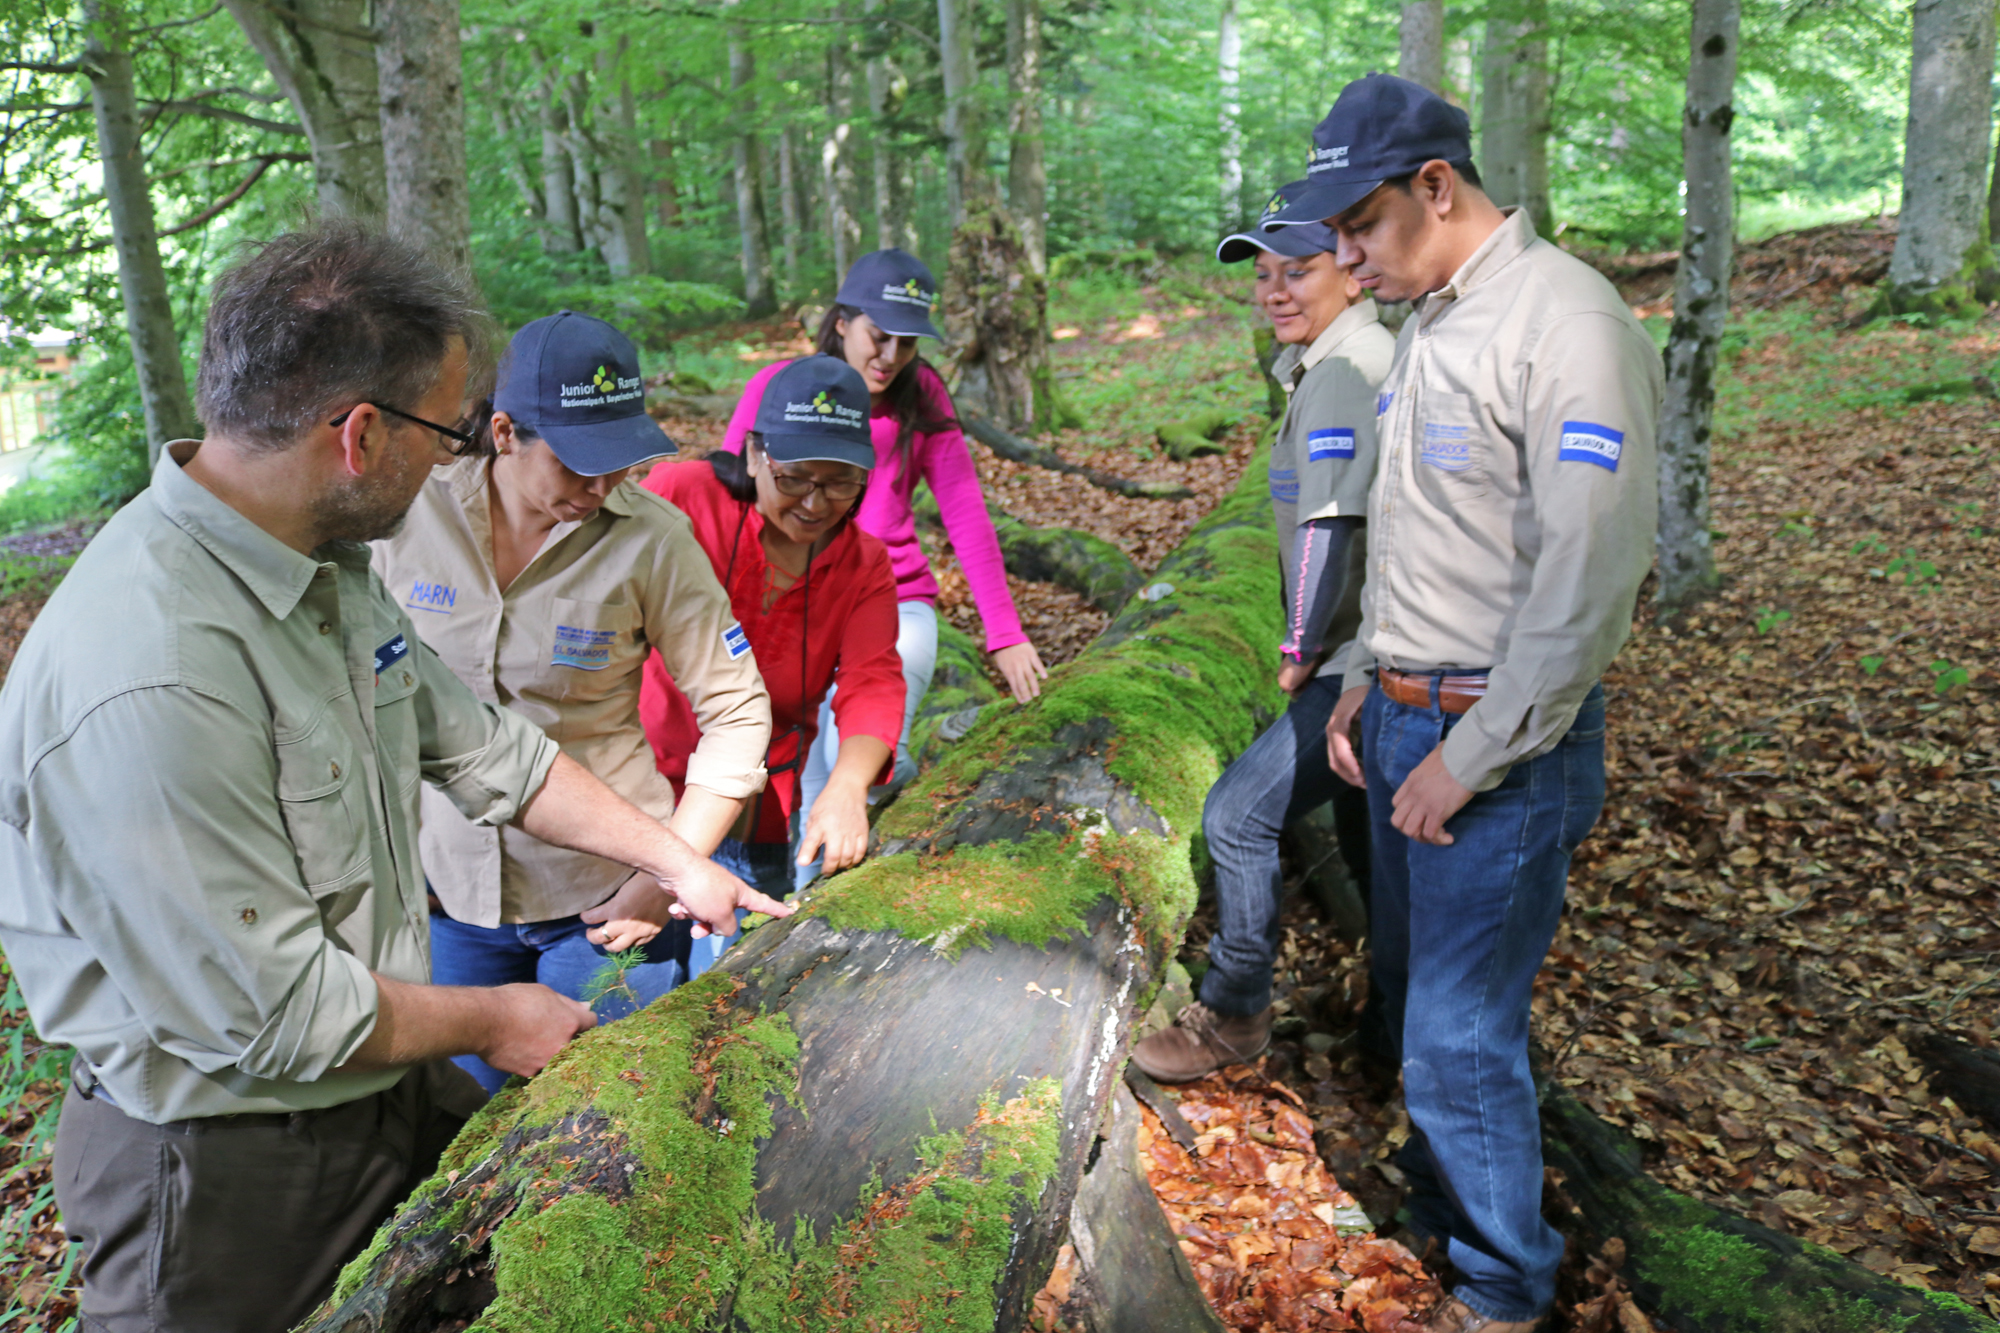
[[926, 1254]]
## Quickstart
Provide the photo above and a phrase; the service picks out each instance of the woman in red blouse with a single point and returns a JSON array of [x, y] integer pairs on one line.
[[815, 598]]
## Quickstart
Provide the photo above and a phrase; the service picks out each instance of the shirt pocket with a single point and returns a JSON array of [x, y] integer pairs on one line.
[[589, 648], [1454, 455], [322, 799], [396, 725]]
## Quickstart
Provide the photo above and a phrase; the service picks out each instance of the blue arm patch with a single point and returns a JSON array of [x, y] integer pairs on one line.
[[391, 653], [1322, 445], [736, 641], [1588, 442]]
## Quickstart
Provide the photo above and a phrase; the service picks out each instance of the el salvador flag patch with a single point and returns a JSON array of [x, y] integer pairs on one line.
[[391, 653], [1588, 442], [1322, 445], [736, 641]]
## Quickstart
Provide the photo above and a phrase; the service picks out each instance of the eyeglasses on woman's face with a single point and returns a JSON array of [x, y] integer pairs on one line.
[[454, 440], [798, 486]]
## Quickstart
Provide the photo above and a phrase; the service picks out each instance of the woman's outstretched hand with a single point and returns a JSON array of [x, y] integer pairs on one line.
[[1022, 668]]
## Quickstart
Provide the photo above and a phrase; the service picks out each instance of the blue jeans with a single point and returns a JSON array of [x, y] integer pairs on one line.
[[917, 645], [765, 866], [554, 953], [1282, 776], [1459, 933]]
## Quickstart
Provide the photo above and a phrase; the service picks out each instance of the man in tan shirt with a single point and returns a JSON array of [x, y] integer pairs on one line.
[[1510, 526], [210, 749]]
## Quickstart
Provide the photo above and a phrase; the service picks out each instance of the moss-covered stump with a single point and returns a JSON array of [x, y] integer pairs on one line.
[[1702, 1270], [876, 1113]]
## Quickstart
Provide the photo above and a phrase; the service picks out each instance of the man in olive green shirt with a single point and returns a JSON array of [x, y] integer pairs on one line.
[[210, 749], [1509, 528]]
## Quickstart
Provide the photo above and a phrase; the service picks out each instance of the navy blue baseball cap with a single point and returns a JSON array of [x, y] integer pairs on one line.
[[893, 288], [816, 410], [1381, 127], [1293, 242], [574, 380]]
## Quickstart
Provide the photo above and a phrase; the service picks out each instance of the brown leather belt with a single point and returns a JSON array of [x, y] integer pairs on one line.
[[1456, 694]]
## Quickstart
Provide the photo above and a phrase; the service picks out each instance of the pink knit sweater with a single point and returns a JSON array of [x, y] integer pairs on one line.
[[942, 460]]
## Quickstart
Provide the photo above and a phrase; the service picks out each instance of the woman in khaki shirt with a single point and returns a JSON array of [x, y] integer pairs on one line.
[[544, 581]]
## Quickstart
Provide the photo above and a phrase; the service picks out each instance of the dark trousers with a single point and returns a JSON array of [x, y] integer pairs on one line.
[[239, 1224], [1283, 775]]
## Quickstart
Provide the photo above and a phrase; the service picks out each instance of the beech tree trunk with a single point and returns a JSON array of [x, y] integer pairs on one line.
[[135, 234], [563, 230], [1701, 305], [1027, 166], [1514, 136], [886, 90], [964, 130], [836, 163], [1943, 263], [508, 129], [997, 322], [1421, 59], [878, 1112], [421, 78], [621, 170], [321, 54], [791, 226], [760, 295], [664, 183], [1229, 117]]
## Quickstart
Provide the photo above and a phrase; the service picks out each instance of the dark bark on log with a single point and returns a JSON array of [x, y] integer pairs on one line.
[[883, 1106], [1702, 1270], [1017, 450], [1134, 1277], [1968, 1074], [959, 693]]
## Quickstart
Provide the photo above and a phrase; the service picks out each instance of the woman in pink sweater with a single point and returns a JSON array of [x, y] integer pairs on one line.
[[881, 310]]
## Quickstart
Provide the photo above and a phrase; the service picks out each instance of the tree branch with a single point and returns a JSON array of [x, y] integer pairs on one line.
[[263, 164], [222, 113], [42, 67], [337, 29], [677, 11], [202, 17]]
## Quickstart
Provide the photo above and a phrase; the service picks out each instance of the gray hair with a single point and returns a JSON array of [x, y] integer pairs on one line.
[[317, 320]]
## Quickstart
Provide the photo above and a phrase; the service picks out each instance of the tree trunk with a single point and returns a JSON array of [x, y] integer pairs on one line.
[[135, 235], [886, 90], [1027, 166], [621, 170], [997, 322], [1698, 1269], [760, 295], [564, 231], [1514, 138], [321, 54], [1422, 56], [1228, 78], [1943, 263], [964, 132], [1701, 305], [836, 163], [876, 1113], [423, 127], [790, 226], [508, 130], [664, 184]]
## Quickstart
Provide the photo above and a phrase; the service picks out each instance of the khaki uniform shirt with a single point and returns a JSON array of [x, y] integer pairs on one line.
[[1323, 461], [210, 748], [564, 647], [1514, 513]]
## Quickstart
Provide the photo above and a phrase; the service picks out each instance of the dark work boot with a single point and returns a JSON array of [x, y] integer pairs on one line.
[[1200, 1042]]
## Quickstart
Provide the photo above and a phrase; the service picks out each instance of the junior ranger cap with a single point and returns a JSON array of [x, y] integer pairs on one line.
[[1293, 242], [816, 410], [893, 288], [575, 380], [1380, 127]]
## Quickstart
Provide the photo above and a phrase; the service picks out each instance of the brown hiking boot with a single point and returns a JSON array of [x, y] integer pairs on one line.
[[1455, 1316], [1200, 1042]]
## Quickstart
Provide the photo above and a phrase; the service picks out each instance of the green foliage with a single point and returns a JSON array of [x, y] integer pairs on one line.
[[1769, 618], [1946, 676]]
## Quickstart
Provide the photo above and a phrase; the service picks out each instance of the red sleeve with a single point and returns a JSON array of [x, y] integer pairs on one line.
[[868, 671], [745, 415]]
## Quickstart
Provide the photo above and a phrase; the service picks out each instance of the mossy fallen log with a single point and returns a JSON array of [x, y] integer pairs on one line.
[[877, 1112], [1089, 566], [1017, 450], [1702, 1270], [1197, 435], [960, 691]]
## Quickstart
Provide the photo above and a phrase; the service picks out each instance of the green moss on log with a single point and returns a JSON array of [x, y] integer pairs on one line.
[[1197, 435], [959, 689]]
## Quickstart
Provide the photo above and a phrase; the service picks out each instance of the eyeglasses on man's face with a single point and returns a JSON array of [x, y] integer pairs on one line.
[[799, 487], [454, 440]]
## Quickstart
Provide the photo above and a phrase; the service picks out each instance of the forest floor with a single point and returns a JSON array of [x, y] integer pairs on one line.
[[1795, 874]]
